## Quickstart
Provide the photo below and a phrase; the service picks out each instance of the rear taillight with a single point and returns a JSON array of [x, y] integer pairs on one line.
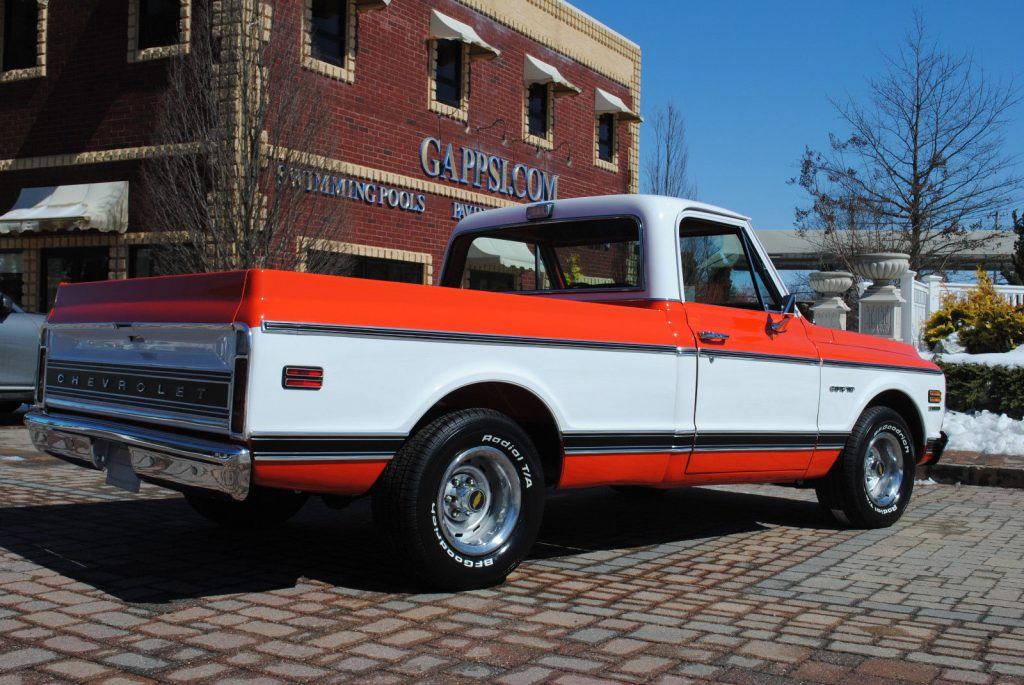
[[302, 377], [241, 379], [41, 369]]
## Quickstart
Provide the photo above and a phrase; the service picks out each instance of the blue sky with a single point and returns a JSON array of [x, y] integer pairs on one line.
[[753, 78]]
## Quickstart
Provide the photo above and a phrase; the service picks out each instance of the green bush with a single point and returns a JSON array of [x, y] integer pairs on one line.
[[984, 321], [973, 387]]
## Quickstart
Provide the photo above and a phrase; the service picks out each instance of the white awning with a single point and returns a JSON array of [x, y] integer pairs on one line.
[[606, 103], [443, 27], [99, 206], [511, 254], [535, 71]]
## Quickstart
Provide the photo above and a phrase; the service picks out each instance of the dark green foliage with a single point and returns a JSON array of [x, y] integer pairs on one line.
[[973, 387], [1018, 251]]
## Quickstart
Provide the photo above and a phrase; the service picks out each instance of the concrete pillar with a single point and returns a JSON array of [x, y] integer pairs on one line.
[[881, 305], [829, 309], [908, 327]]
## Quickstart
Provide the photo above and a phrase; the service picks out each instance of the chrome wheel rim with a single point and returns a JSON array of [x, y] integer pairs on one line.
[[883, 470], [479, 499]]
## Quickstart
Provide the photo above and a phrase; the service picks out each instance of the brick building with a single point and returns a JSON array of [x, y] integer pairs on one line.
[[438, 108]]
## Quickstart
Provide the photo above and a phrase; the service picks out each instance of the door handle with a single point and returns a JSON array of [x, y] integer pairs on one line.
[[713, 337]]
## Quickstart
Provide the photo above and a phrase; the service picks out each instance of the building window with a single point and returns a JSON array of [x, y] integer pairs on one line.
[[606, 138], [329, 37], [365, 261], [150, 260], [538, 103], [386, 269], [70, 265], [158, 28], [448, 73], [159, 23], [12, 274], [23, 36], [328, 31]]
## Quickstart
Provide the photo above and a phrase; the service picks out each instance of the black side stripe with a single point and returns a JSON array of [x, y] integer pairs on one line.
[[640, 443], [460, 337], [758, 356], [325, 448], [889, 367]]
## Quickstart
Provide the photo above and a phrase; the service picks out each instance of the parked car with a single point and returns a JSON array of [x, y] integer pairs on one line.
[[640, 342], [19, 354]]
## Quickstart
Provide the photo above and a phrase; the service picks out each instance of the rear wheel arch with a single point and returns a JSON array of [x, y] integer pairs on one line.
[[901, 403], [521, 405]]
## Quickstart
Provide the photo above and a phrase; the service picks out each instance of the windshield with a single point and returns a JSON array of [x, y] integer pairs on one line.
[[586, 254]]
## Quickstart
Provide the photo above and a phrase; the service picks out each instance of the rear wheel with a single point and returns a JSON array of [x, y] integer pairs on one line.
[[462, 500], [263, 508], [870, 484]]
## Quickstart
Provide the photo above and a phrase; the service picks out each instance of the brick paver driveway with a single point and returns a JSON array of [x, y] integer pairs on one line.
[[729, 584]]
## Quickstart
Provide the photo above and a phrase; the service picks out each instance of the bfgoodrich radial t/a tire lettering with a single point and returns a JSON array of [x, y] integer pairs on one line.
[[871, 483], [462, 500]]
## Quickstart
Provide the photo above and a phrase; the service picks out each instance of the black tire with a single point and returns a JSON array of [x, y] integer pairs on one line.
[[639, 491], [263, 508], [409, 503], [843, 493], [10, 407]]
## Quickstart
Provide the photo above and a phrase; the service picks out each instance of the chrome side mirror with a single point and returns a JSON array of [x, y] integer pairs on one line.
[[775, 327]]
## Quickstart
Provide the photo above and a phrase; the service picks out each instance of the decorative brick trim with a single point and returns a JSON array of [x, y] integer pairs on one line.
[[337, 166], [39, 70], [184, 30], [124, 154], [547, 143], [460, 113], [346, 73], [361, 250]]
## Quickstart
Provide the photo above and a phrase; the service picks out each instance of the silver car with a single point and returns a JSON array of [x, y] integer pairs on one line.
[[19, 354]]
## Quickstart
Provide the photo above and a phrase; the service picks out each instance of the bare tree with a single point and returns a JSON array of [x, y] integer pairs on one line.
[[922, 167], [243, 195], [667, 168]]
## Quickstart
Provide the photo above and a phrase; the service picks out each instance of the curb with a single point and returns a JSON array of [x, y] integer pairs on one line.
[[963, 474]]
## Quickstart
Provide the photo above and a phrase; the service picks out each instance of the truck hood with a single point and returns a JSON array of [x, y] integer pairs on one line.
[[849, 346]]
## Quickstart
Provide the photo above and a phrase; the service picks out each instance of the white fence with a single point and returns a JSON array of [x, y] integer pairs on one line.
[[923, 297]]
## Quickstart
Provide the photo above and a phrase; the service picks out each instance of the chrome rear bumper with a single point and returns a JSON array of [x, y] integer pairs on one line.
[[155, 455]]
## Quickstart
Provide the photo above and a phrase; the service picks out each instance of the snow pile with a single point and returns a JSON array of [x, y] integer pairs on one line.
[[1012, 358], [11, 458], [984, 432]]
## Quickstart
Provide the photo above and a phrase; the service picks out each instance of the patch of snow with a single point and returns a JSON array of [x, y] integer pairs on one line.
[[1014, 357], [984, 432], [926, 481], [11, 458]]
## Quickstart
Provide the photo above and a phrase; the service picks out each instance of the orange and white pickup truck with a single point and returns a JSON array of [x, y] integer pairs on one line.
[[640, 342]]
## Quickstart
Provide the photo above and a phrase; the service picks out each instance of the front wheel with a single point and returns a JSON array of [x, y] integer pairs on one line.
[[870, 484], [462, 500]]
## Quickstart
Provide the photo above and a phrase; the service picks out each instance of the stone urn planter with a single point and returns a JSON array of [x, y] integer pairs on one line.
[[830, 310], [882, 267], [881, 305], [830, 283]]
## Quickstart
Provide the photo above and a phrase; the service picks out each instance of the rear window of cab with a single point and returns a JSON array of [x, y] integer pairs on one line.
[[553, 256]]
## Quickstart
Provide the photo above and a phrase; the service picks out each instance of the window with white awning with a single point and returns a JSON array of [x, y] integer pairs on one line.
[[606, 103], [443, 27], [96, 206], [536, 71]]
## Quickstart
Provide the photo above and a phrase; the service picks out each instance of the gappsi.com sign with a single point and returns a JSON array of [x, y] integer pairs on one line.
[[492, 173]]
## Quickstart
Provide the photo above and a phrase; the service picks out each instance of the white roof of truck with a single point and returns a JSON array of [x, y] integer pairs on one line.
[[601, 205]]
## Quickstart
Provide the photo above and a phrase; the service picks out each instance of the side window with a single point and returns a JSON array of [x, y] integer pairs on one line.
[[716, 269]]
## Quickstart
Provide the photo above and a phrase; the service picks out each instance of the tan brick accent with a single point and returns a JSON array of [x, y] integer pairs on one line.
[[123, 154], [39, 70], [368, 251], [184, 27], [346, 73]]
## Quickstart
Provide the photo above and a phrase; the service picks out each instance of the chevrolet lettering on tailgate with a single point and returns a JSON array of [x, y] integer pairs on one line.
[[638, 342]]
